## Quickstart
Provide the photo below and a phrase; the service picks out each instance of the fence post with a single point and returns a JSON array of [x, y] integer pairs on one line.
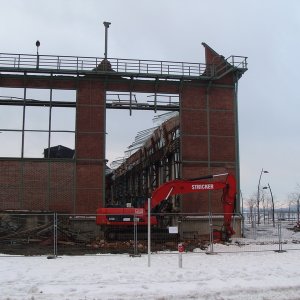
[[135, 239], [243, 225], [135, 234], [254, 227], [55, 234], [54, 237], [149, 232]]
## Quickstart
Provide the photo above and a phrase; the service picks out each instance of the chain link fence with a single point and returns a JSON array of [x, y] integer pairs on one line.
[[52, 234]]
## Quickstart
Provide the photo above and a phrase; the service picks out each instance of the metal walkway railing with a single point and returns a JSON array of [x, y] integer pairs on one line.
[[232, 62], [111, 66]]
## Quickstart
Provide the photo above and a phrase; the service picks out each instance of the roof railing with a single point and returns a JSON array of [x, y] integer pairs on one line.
[[118, 66], [229, 64], [72, 64]]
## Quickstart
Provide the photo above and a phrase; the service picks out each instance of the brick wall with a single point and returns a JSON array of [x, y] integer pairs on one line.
[[37, 185]]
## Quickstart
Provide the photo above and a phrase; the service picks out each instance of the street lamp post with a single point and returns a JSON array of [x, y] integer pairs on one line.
[[298, 209], [273, 209], [258, 190], [243, 219]]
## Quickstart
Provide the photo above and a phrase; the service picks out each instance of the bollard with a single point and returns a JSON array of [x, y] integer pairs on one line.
[[180, 251]]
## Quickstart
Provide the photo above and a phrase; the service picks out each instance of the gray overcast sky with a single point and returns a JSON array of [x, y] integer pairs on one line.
[[267, 31]]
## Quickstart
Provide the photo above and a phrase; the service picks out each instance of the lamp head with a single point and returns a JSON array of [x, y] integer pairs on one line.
[[106, 24]]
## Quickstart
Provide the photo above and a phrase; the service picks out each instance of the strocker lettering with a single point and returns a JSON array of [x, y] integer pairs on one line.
[[202, 187]]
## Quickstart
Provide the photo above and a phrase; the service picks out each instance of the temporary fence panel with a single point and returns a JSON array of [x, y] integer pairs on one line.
[[79, 234], [263, 236], [26, 234], [289, 235], [55, 234]]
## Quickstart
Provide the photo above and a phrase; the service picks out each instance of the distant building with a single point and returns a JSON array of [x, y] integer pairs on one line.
[[59, 152]]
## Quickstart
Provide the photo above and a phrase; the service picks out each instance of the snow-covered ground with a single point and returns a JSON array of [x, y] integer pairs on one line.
[[263, 275], [227, 275]]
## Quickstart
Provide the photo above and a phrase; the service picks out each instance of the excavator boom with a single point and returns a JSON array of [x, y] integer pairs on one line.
[[182, 186]]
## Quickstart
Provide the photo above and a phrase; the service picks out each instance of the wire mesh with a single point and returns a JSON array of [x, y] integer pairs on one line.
[[67, 234], [26, 234], [264, 236], [79, 234]]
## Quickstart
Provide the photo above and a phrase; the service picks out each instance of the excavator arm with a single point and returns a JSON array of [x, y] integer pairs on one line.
[[182, 186]]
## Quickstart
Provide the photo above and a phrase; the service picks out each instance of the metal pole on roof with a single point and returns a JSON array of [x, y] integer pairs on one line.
[[37, 54], [106, 25]]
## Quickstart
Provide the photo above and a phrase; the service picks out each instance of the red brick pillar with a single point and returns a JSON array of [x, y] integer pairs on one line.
[[90, 145], [208, 140], [208, 134]]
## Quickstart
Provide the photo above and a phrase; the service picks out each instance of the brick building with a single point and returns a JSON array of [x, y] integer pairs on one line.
[[207, 116]]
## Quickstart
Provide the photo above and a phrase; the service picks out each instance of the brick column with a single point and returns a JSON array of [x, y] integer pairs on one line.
[[90, 145], [208, 141]]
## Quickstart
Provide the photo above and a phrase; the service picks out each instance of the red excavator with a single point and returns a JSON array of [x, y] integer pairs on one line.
[[117, 220]]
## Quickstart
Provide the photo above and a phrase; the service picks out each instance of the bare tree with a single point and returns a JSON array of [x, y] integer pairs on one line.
[[266, 204], [294, 199], [251, 203]]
